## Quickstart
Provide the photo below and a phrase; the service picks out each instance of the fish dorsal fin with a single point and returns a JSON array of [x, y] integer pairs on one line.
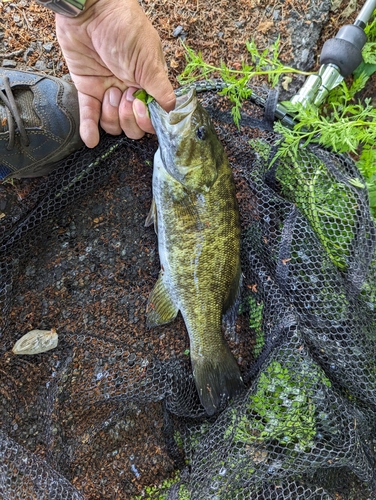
[[160, 308], [152, 217]]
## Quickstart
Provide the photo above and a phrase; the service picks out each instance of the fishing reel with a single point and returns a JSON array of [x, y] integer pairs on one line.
[[339, 57]]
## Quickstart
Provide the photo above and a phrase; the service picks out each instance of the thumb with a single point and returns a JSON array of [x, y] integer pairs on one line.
[[161, 89]]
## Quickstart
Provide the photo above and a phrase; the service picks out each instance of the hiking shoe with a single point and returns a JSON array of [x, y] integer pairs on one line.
[[39, 123]]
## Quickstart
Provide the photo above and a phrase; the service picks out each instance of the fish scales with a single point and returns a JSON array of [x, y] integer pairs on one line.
[[196, 217]]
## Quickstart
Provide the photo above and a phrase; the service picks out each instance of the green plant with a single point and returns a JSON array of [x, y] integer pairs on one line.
[[143, 96], [341, 124], [282, 409], [328, 205], [160, 492], [255, 322], [263, 63]]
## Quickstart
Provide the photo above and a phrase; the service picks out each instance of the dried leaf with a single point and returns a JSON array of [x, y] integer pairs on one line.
[[174, 64], [265, 26], [36, 341], [286, 82]]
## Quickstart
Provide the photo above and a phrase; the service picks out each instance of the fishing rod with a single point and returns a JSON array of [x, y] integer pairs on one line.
[[339, 57]]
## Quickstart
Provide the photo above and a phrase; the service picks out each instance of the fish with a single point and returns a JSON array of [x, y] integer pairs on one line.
[[196, 218]]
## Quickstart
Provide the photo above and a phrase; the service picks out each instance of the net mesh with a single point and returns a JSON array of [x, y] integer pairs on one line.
[[113, 412]]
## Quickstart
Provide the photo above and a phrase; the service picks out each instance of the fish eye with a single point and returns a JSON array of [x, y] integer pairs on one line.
[[201, 133]]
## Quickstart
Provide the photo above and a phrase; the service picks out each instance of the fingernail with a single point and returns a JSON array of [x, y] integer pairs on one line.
[[140, 109], [115, 96], [129, 95]]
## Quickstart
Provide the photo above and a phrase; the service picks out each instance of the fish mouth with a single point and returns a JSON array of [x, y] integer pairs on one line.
[[170, 124]]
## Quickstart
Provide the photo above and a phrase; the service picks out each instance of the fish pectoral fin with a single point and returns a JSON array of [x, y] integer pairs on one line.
[[160, 308], [152, 217]]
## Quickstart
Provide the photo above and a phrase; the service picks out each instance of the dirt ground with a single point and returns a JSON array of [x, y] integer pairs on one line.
[[219, 30]]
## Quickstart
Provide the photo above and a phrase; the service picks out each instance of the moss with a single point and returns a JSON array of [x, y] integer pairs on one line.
[[160, 492], [262, 148], [282, 409], [255, 322]]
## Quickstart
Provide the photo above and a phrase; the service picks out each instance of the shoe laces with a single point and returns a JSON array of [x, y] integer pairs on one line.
[[13, 115]]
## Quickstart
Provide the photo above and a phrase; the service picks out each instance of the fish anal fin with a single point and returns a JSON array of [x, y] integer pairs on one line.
[[152, 217], [217, 378], [231, 305], [160, 308]]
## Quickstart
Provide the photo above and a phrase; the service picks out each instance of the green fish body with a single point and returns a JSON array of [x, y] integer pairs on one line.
[[195, 214]]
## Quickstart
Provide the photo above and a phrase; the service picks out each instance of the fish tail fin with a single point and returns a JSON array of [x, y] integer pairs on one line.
[[217, 378]]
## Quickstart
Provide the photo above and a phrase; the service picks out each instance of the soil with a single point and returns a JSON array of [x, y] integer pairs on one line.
[[219, 31]]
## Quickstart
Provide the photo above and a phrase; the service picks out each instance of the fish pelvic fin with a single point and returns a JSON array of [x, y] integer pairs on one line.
[[160, 308], [217, 378]]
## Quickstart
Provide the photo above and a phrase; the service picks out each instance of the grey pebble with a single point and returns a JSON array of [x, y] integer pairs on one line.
[[30, 270], [27, 53], [48, 46], [131, 359], [8, 63], [305, 55], [178, 31], [97, 209], [40, 65]]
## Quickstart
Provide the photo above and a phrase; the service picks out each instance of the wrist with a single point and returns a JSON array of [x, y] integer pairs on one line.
[[68, 8]]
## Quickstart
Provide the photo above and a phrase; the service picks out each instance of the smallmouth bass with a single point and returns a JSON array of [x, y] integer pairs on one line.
[[196, 217]]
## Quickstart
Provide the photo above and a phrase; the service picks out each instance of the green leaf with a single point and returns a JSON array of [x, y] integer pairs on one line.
[[143, 96], [341, 124]]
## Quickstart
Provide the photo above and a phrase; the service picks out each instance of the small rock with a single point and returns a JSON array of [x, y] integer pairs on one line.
[[30, 270], [27, 53], [131, 359], [48, 46], [97, 209], [305, 55], [178, 31], [40, 65], [240, 24], [8, 63]]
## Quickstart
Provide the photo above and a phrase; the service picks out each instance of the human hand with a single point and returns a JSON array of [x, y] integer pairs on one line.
[[112, 50]]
